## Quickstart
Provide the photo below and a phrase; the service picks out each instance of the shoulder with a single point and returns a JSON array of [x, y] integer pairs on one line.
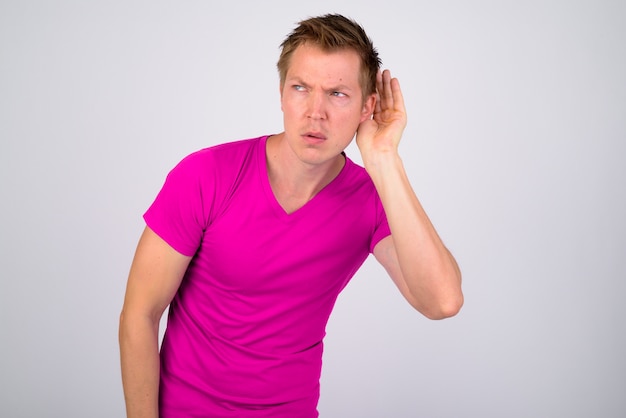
[[218, 157], [225, 150], [356, 177], [352, 189], [236, 147], [360, 188]]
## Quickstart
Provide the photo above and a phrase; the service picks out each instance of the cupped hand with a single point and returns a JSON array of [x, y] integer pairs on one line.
[[382, 132]]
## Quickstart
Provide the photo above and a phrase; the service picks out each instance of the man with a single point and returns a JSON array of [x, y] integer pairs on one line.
[[250, 242]]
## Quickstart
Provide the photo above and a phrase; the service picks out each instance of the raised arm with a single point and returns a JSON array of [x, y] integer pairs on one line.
[[154, 278], [414, 255]]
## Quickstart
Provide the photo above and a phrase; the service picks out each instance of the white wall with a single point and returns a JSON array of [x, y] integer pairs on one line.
[[516, 145]]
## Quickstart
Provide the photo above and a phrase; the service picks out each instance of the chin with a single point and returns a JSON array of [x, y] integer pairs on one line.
[[315, 157]]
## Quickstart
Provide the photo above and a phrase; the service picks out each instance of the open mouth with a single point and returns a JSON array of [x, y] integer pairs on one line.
[[314, 136]]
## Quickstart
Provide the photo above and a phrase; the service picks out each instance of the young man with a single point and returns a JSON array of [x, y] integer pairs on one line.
[[250, 242]]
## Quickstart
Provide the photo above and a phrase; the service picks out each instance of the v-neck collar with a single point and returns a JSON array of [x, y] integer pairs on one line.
[[278, 210]]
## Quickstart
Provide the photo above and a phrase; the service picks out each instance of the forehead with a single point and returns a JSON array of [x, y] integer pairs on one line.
[[312, 62]]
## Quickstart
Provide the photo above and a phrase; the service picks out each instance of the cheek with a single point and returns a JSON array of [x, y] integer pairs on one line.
[[289, 113], [289, 107]]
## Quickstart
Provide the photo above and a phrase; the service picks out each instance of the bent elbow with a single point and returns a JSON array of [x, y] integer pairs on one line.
[[449, 299], [448, 310], [444, 309]]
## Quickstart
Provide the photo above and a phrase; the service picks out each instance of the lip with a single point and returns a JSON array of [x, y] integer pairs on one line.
[[314, 137]]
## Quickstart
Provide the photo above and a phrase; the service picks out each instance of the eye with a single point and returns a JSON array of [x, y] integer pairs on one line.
[[298, 87], [338, 94]]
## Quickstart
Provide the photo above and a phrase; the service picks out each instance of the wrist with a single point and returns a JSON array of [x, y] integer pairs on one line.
[[382, 163]]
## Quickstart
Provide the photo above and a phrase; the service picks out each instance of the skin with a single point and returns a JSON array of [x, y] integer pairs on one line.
[[323, 108], [323, 105], [414, 255]]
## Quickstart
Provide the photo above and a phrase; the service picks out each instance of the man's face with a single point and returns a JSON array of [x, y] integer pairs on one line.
[[322, 102]]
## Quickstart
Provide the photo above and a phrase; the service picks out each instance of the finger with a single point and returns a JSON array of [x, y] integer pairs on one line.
[[385, 90], [379, 82], [398, 99]]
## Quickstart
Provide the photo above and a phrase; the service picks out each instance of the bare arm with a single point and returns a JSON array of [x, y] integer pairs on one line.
[[154, 278], [414, 255]]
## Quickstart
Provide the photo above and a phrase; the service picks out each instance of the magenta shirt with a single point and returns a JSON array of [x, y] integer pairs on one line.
[[244, 334]]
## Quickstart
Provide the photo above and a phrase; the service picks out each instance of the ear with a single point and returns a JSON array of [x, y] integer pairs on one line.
[[280, 92], [368, 107]]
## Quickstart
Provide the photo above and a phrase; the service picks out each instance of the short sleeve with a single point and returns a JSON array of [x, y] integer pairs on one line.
[[382, 226], [179, 214]]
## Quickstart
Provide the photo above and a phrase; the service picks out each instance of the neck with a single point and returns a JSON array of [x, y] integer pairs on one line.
[[295, 182]]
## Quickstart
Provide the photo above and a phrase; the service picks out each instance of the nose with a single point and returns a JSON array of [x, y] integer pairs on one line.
[[316, 106]]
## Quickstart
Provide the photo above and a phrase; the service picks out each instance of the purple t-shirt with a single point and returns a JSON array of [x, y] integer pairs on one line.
[[245, 329]]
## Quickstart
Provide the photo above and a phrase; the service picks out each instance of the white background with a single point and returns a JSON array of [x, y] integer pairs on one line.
[[516, 146]]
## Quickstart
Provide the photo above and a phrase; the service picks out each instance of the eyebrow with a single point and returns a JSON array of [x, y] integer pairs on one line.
[[299, 81]]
